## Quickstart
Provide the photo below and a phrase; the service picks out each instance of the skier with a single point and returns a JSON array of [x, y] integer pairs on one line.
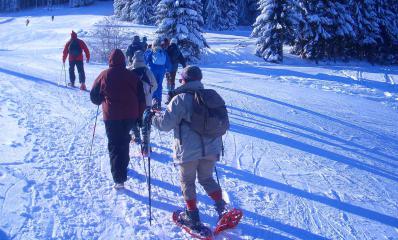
[[134, 46], [149, 85], [176, 58], [52, 18], [194, 153], [117, 89], [27, 22], [159, 63], [74, 48]]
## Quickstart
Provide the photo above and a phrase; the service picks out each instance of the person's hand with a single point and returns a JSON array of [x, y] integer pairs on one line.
[[148, 115]]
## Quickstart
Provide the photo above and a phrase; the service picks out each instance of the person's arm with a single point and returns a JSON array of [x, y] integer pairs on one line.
[[85, 49], [172, 117], [96, 96], [65, 52]]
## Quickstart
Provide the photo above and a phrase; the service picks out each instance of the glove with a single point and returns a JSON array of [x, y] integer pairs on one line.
[[148, 115]]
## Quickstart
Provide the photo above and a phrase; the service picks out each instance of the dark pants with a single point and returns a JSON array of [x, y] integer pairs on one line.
[[80, 70], [171, 81], [118, 133]]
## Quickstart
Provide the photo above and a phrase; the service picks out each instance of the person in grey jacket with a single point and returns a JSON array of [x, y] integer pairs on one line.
[[194, 158], [149, 85]]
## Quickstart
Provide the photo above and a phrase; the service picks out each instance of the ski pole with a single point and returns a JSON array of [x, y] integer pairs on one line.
[[64, 71], [95, 125], [149, 190], [218, 180]]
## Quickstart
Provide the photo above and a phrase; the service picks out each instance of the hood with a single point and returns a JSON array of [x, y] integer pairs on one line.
[[73, 35], [117, 59]]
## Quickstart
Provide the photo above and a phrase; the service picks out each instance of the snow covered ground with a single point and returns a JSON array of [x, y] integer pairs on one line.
[[312, 152]]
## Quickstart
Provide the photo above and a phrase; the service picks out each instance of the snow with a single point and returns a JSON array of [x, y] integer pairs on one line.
[[311, 154]]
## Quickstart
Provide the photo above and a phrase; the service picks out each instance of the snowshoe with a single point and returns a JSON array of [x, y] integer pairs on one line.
[[195, 229], [229, 219], [71, 84]]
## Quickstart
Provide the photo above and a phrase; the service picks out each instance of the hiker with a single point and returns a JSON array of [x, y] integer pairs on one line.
[[117, 89], [144, 44], [159, 63], [134, 46], [27, 22], [74, 48], [195, 154], [149, 86], [176, 58]]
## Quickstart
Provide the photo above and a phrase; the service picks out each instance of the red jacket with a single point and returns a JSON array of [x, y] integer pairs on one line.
[[119, 90], [81, 44]]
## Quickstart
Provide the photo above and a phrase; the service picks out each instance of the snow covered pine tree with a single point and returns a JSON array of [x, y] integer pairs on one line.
[[274, 27], [221, 15], [182, 19], [143, 11]]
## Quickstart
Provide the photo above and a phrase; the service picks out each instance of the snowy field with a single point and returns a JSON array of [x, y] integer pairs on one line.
[[312, 152]]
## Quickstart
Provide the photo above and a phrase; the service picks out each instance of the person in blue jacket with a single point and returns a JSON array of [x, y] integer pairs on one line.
[[159, 63]]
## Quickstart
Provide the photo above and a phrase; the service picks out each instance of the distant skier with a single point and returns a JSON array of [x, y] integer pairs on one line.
[[74, 48], [149, 85], [117, 89], [195, 153], [176, 58], [136, 45], [52, 18], [27, 22], [159, 63]]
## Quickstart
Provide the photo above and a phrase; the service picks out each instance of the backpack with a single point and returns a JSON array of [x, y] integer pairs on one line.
[[141, 72], [159, 57], [74, 48], [209, 116]]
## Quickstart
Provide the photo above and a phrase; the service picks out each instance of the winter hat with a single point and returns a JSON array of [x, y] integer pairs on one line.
[[73, 34], [156, 43], [138, 57], [136, 38], [144, 39], [191, 73], [174, 40]]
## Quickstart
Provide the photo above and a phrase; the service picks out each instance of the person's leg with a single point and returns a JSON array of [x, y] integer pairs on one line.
[[80, 70], [118, 146], [206, 179], [159, 75], [172, 80], [188, 178], [72, 76]]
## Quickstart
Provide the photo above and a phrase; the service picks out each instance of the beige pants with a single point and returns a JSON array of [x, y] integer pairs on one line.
[[204, 169]]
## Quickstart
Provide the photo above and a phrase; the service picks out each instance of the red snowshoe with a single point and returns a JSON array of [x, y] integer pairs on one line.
[[228, 220]]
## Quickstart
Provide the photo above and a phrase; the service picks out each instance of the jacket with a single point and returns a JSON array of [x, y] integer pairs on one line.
[[159, 68], [187, 143], [148, 88], [82, 45], [135, 46], [176, 57], [116, 88]]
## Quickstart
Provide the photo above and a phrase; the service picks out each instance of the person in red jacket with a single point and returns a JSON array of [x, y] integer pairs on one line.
[[120, 94], [74, 48]]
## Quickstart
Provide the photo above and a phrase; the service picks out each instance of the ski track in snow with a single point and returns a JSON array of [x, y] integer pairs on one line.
[[311, 153]]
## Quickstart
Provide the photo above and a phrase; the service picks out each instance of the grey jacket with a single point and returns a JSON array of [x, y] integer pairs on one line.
[[177, 117], [148, 89]]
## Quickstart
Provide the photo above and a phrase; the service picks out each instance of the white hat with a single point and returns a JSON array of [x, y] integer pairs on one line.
[[174, 40]]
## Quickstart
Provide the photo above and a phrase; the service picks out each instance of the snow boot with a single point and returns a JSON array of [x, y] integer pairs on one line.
[[83, 87], [190, 218], [71, 84], [221, 208], [118, 186]]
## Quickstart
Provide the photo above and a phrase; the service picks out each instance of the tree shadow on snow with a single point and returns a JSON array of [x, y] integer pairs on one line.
[[3, 235], [308, 111], [248, 177], [275, 72], [312, 134]]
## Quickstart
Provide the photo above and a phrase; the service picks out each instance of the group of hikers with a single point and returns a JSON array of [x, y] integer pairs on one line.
[[131, 96]]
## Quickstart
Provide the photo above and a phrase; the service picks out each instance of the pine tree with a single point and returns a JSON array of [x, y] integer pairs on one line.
[[182, 19], [229, 13], [387, 12], [274, 27], [142, 11], [121, 9]]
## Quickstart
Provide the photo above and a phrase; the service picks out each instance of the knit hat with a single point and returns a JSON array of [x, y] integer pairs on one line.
[[138, 57], [73, 34], [156, 42], [191, 73], [174, 40]]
